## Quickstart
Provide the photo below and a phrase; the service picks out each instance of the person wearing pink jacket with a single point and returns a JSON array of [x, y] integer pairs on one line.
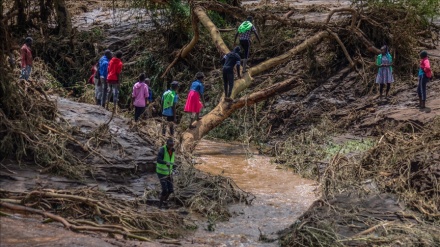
[[425, 74], [140, 94]]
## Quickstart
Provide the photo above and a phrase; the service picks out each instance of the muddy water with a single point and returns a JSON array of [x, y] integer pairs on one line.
[[281, 196]]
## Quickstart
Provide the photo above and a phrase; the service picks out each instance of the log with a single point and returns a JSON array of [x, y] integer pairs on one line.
[[224, 109], [245, 82]]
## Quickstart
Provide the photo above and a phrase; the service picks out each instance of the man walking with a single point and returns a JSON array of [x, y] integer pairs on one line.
[[169, 102], [230, 62], [114, 76], [103, 72], [164, 168], [26, 58], [244, 33]]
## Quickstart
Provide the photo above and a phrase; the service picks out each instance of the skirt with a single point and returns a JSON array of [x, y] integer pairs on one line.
[[385, 75], [193, 103]]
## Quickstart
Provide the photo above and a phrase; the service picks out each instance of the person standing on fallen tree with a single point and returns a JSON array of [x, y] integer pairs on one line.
[[425, 74], [385, 73], [169, 104], [230, 62], [103, 72], [26, 58], [196, 100], [244, 33], [165, 167]]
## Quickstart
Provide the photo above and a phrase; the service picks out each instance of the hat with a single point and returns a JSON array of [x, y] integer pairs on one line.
[[174, 84]]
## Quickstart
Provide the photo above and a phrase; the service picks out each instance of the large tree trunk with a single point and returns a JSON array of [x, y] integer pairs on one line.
[[63, 17], [224, 109], [246, 81]]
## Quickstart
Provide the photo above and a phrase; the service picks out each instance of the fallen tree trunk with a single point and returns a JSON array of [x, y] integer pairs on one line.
[[245, 82], [224, 109]]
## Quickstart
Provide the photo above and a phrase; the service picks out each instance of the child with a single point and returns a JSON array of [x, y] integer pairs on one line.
[[193, 104], [385, 73], [425, 74], [140, 94], [169, 103]]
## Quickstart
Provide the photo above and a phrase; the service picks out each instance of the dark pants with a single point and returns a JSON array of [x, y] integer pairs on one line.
[[104, 91], [421, 88], [246, 45], [170, 122], [138, 112], [382, 86], [228, 81], [166, 184]]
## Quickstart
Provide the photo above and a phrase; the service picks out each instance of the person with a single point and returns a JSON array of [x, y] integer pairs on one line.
[[103, 72], [140, 95], [193, 104], [165, 167], [94, 79], [230, 61], [26, 58], [114, 76], [385, 73], [425, 74], [244, 33], [169, 103]]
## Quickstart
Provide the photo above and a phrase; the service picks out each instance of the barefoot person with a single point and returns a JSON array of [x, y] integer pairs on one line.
[[195, 95], [165, 166], [244, 33], [425, 74], [385, 73], [26, 58], [169, 103], [140, 96], [230, 62]]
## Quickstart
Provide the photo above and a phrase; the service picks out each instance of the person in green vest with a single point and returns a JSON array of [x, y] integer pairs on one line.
[[165, 167], [169, 102]]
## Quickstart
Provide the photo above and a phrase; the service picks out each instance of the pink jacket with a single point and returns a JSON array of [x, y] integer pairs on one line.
[[426, 67], [140, 93]]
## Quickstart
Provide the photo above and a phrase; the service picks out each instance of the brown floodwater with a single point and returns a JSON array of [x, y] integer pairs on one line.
[[281, 195]]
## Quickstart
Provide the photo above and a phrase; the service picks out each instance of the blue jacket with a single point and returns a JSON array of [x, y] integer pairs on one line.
[[103, 66]]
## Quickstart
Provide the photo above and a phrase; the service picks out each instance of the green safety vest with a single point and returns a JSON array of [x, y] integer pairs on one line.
[[163, 168], [168, 99]]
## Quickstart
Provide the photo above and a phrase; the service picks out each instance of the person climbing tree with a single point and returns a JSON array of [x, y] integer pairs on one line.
[[114, 76], [244, 33], [26, 58], [230, 62], [425, 74], [140, 95], [193, 104], [169, 103], [103, 72], [165, 167], [385, 73]]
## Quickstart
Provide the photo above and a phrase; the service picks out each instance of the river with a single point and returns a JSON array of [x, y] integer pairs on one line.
[[281, 195]]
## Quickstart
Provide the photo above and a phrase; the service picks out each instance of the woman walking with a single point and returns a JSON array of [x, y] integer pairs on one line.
[[425, 74], [385, 73], [140, 95], [195, 95]]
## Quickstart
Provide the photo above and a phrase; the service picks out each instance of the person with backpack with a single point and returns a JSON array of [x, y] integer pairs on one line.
[[165, 167], [140, 95], [425, 74], [103, 72], [385, 73], [244, 33], [230, 62], [95, 80], [169, 104], [195, 101]]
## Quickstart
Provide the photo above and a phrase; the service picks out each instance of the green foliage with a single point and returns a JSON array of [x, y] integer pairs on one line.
[[217, 19]]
